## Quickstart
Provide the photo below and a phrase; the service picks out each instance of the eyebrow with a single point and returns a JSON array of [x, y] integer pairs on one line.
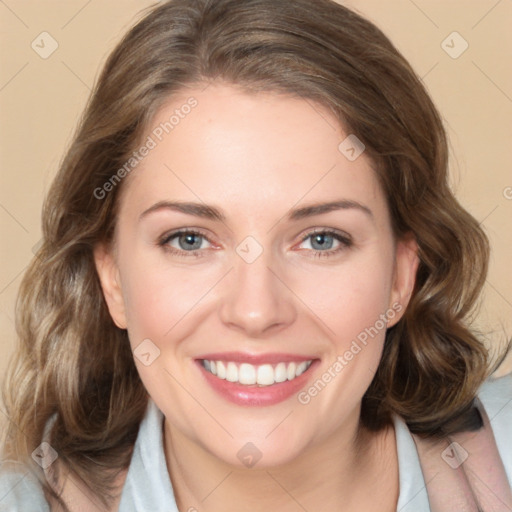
[[211, 212], [319, 208], [189, 208]]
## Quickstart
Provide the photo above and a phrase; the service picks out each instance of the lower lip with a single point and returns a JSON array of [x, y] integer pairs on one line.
[[255, 395]]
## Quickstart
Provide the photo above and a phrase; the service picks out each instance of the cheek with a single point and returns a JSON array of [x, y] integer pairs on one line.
[[161, 306], [156, 296], [353, 305], [351, 297]]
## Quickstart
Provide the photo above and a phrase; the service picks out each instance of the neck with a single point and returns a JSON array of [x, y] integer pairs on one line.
[[350, 470]]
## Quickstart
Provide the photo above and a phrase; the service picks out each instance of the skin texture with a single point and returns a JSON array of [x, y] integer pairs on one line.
[[256, 157]]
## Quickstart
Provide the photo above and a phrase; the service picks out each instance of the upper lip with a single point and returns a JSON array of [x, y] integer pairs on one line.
[[256, 359]]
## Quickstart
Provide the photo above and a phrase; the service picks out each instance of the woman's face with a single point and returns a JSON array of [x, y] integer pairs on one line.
[[286, 262]]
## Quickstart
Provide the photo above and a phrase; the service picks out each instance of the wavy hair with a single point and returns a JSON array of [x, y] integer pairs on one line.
[[74, 364]]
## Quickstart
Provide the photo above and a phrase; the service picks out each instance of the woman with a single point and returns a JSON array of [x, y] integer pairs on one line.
[[254, 282]]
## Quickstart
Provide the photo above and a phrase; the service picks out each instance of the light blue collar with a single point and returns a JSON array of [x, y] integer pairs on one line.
[[148, 485]]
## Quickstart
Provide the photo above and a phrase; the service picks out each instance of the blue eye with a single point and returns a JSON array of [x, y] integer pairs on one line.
[[322, 242], [188, 241]]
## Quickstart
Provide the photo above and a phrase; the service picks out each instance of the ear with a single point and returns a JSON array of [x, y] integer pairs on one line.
[[404, 276], [108, 273]]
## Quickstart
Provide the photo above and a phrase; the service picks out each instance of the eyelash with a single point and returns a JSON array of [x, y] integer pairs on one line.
[[344, 240]]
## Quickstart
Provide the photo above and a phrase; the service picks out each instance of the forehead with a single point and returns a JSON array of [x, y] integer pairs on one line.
[[249, 151]]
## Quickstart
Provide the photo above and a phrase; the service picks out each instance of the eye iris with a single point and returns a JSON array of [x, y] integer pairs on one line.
[[321, 239], [189, 241]]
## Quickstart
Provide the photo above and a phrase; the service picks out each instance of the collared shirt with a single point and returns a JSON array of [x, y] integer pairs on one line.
[[148, 486]]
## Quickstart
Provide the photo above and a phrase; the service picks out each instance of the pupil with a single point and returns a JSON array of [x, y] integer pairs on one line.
[[189, 241], [323, 243]]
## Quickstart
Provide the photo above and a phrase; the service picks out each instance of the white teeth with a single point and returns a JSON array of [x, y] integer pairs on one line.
[[291, 371], [262, 375], [280, 374], [246, 374], [265, 375], [301, 368], [232, 372], [221, 370]]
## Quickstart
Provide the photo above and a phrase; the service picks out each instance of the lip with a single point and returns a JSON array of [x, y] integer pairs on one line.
[[253, 395], [256, 359]]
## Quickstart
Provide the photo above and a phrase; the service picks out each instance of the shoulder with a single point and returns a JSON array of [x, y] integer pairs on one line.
[[496, 397], [20, 490], [497, 391]]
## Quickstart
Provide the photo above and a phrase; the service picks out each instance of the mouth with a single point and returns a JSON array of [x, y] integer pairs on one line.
[[256, 380], [260, 375]]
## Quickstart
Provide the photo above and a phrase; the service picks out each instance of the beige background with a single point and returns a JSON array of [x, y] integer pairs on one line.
[[41, 100]]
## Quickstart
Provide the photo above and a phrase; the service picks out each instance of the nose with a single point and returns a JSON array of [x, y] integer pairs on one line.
[[256, 299]]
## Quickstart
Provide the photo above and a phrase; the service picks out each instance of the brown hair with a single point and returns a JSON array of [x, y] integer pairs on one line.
[[73, 361]]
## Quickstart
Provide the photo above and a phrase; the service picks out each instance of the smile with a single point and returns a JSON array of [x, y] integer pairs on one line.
[[261, 375], [256, 380]]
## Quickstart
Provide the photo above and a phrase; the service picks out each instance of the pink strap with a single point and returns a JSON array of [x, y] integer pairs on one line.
[[465, 473]]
